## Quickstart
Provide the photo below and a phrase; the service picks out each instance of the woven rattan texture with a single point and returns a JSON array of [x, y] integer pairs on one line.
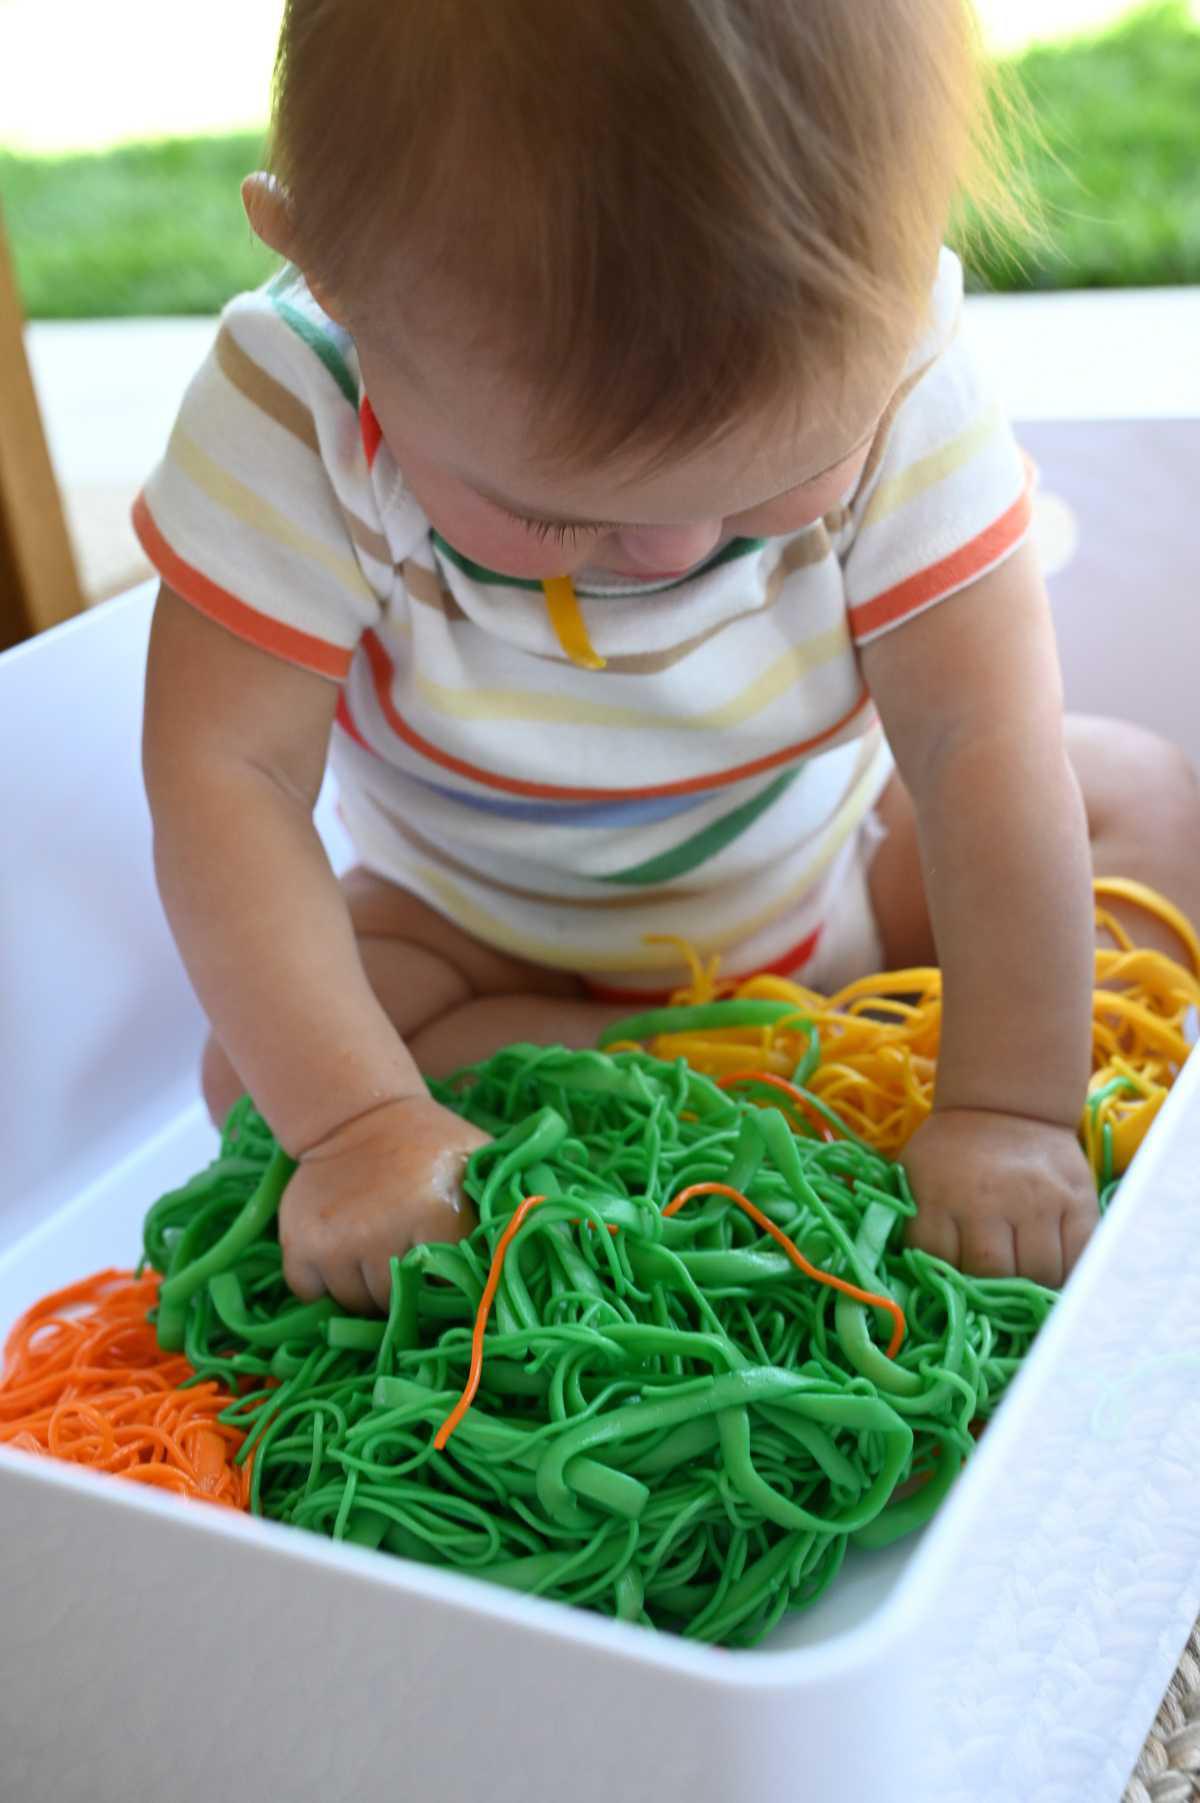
[[1168, 1767]]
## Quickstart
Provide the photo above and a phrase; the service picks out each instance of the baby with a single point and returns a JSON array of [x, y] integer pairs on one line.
[[605, 486]]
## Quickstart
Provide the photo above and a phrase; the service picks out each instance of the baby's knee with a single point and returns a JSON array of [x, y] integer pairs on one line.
[[1162, 792], [1143, 804], [1138, 786], [1176, 788]]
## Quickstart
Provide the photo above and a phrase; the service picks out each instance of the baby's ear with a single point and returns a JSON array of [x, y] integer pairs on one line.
[[269, 211], [272, 218]]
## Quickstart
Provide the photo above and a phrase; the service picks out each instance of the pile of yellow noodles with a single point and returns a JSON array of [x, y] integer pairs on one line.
[[879, 1037]]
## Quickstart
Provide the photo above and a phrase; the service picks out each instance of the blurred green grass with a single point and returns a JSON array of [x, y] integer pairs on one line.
[[144, 229], [1111, 152], [1111, 149]]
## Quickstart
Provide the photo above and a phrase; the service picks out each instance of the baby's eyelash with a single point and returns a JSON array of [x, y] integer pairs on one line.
[[558, 530], [561, 531]]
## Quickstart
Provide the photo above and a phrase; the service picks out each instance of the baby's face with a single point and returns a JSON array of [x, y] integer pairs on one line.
[[465, 437]]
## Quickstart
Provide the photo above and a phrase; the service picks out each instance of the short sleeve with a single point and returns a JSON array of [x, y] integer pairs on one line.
[[946, 492], [262, 511]]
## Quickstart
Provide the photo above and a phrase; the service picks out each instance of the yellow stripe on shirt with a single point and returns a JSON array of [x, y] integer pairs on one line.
[[571, 710], [926, 471], [252, 510]]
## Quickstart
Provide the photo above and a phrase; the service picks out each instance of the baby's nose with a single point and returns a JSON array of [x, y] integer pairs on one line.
[[662, 549]]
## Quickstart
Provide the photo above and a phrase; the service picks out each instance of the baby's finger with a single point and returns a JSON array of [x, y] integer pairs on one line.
[[377, 1279], [1076, 1231], [1040, 1251], [302, 1278], [346, 1284], [988, 1247], [936, 1232]]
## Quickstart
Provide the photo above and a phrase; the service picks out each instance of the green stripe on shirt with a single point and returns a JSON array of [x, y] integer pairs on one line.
[[705, 844], [737, 547], [320, 344]]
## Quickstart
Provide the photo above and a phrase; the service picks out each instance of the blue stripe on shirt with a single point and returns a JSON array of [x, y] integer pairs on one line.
[[638, 811]]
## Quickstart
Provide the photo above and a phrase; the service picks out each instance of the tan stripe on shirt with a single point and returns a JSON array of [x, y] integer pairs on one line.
[[287, 410]]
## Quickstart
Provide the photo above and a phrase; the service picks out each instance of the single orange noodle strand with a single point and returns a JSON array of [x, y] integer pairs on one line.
[[475, 1371], [794, 1253], [798, 1098]]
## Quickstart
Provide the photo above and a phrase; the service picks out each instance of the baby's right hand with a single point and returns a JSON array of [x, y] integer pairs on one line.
[[372, 1188]]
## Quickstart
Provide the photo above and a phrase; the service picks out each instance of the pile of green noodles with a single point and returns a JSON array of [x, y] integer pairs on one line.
[[674, 1425]]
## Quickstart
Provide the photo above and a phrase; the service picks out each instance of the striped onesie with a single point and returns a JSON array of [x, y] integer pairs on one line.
[[710, 773]]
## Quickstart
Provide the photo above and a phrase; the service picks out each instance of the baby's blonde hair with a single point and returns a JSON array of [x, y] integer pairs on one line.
[[666, 215]]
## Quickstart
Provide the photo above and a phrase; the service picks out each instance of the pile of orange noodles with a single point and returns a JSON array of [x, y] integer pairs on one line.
[[84, 1380], [879, 1037]]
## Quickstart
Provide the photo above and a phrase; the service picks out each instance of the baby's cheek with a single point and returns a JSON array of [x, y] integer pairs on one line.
[[484, 535], [776, 519], [803, 506]]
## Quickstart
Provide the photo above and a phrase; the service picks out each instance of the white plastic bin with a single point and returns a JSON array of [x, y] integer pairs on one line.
[[153, 1649]]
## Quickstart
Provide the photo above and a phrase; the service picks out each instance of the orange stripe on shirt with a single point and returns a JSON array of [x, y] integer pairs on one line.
[[345, 720], [287, 642], [372, 431], [941, 579], [381, 674]]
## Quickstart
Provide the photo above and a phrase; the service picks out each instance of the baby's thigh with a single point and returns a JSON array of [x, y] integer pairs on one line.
[[1140, 791], [1142, 800], [420, 966], [405, 944]]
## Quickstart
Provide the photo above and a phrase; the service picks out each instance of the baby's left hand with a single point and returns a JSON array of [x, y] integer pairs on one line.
[[1000, 1195]]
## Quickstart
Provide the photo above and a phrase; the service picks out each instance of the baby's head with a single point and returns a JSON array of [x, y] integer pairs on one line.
[[627, 278]]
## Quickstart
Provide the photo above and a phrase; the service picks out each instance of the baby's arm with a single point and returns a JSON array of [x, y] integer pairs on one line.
[[234, 752], [971, 698]]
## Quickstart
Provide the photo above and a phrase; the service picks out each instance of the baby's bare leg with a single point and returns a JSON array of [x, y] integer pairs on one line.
[[480, 1027], [425, 970], [1142, 799]]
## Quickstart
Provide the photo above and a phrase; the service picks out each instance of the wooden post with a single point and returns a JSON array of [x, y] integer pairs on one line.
[[39, 584]]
